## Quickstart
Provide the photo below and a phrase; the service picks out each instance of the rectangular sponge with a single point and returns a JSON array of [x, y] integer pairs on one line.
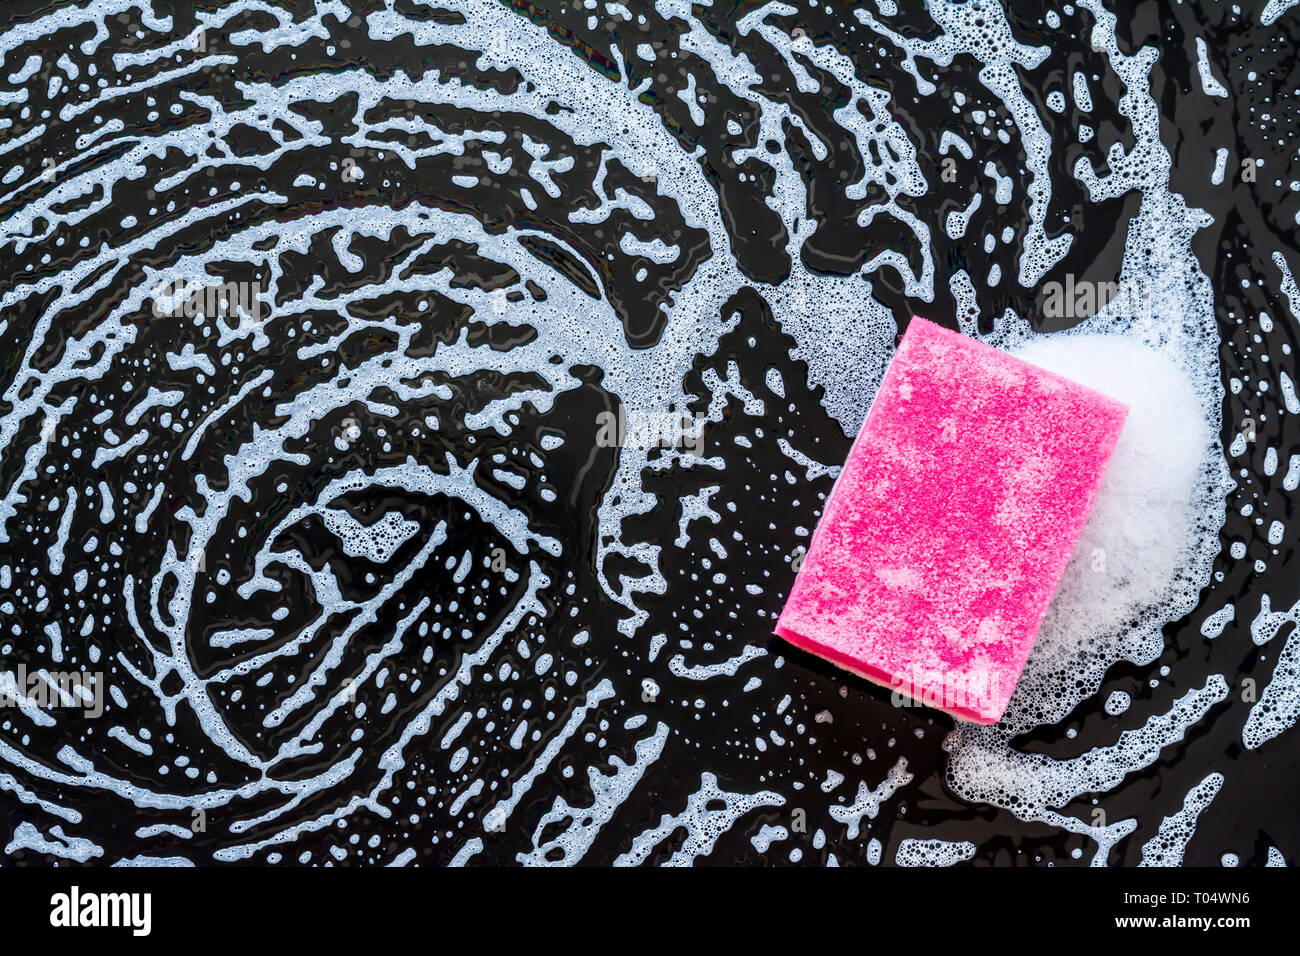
[[952, 522]]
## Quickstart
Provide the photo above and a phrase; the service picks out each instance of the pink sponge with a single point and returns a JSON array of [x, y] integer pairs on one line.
[[952, 522]]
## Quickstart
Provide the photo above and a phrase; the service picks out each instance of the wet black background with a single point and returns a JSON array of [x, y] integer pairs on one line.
[[1256, 807]]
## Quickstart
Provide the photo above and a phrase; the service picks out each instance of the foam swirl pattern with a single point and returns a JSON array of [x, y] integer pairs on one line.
[[312, 315]]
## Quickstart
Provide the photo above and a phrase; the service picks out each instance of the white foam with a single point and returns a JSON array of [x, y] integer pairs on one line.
[[913, 852], [1169, 844]]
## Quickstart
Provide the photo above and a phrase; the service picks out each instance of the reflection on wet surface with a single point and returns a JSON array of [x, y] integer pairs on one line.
[[315, 321]]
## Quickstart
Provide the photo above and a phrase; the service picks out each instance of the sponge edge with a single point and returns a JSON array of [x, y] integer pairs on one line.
[[947, 532]]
